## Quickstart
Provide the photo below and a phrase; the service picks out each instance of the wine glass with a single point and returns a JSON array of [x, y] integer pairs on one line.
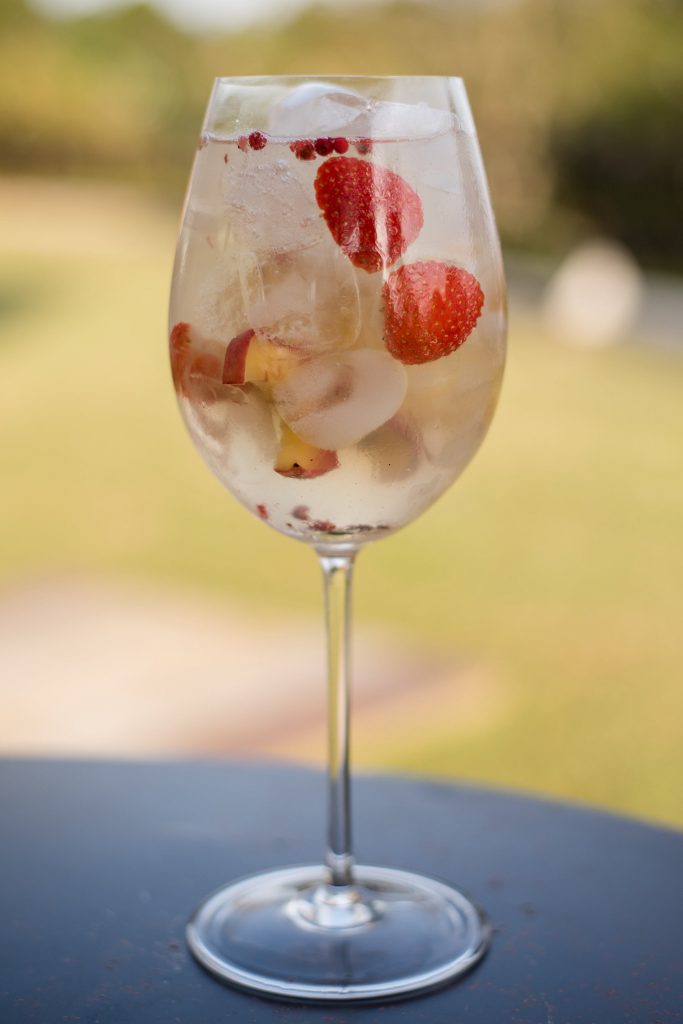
[[337, 341]]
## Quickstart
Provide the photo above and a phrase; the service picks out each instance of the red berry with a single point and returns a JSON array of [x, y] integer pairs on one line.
[[257, 140], [262, 511], [225, 158], [322, 525], [303, 149], [243, 143], [430, 309], [364, 146], [340, 145], [372, 213], [324, 147]]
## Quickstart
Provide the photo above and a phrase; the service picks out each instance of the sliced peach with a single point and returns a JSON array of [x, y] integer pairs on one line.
[[243, 363], [180, 350], [300, 460], [189, 359], [251, 360]]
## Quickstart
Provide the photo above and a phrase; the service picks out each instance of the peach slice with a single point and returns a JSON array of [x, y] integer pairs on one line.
[[180, 349], [300, 460], [192, 359], [243, 363], [251, 360]]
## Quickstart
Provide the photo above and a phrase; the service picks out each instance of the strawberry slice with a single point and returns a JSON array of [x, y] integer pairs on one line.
[[430, 309], [372, 213]]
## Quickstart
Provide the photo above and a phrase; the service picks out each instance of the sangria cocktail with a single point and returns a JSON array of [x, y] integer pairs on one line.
[[337, 341]]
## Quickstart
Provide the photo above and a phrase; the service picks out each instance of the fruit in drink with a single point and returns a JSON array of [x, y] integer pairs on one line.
[[243, 361], [303, 461], [373, 214], [431, 308], [325, 354]]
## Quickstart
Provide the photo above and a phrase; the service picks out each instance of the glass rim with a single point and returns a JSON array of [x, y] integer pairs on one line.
[[230, 93], [243, 79]]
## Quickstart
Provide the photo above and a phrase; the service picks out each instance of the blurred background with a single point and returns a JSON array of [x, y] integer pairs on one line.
[[524, 632]]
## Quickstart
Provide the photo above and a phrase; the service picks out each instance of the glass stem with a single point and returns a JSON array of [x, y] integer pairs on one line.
[[337, 575]]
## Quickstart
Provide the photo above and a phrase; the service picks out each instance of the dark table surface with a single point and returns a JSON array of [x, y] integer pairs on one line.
[[101, 864]]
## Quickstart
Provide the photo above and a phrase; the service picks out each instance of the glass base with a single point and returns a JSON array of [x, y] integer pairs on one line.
[[290, 935]]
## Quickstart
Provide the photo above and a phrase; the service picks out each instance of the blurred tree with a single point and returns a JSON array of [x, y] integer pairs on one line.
[[557, 87], [94, 95], [620, 169]]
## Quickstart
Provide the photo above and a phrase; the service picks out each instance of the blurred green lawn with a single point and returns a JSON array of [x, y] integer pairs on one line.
[[555, 566]]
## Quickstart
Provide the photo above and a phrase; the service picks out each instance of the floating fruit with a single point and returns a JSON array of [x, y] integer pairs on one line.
[[372, 213], [430, 309], [296, 458]]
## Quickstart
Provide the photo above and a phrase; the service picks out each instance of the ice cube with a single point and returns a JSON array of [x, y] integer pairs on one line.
[[453, 399], [452, 437], [385, 121], [335, 400], [323, 108], [395, 449], [219, 285], [231, 426], [270, 209], [371, 331], [307, 300], [478, 362], [316, 108], [205, 186]]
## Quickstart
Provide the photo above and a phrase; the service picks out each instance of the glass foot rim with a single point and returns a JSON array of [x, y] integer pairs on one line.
[[475, 943]]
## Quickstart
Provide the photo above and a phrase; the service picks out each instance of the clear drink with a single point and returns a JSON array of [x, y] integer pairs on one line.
[[337, 345], [278, 341]]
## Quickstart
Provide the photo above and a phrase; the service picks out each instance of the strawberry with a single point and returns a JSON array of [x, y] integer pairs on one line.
[[430, 309], [372, 213]]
